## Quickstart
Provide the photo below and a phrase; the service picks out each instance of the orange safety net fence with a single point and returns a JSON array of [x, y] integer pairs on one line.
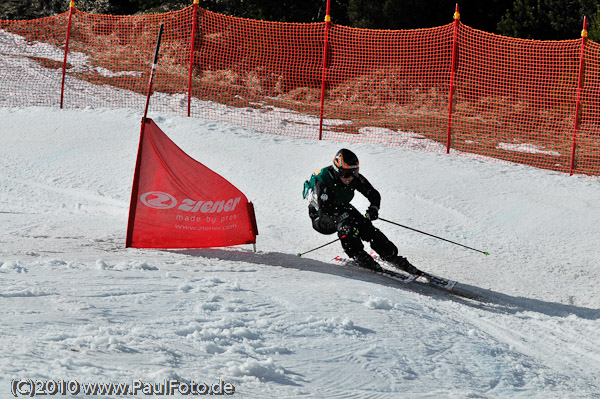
[[31, 54], [512, 99], [515, 99]]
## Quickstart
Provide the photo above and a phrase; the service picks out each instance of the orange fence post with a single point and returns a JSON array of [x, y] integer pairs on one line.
[[64, 68], [324, 77], [192, 41], [579, 87], [452, 73]]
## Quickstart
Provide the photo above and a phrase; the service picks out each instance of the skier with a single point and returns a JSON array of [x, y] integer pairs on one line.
[[330, 211]]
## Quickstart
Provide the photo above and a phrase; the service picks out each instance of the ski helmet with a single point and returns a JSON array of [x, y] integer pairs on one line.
[[345, 163]]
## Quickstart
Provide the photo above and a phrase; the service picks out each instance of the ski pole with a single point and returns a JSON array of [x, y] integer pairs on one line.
[[431, 235], [314, 249]]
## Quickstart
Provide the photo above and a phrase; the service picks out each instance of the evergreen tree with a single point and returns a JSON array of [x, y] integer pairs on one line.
[[550, 19], [394, 14]]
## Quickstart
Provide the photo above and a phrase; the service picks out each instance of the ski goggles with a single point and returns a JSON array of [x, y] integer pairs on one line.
[[346, 173]]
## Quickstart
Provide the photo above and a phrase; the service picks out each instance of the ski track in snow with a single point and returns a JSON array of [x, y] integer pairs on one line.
[[134, 320]]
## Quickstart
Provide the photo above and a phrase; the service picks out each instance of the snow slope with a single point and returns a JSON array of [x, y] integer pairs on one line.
[[76, 305]]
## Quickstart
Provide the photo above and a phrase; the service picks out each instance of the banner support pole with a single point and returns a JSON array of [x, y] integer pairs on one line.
[[192, 42], [153, 72], [134, 187]]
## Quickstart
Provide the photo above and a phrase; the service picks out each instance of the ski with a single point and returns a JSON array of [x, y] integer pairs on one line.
[[401, 277], [440, 282], [436, 281], [428, 278]]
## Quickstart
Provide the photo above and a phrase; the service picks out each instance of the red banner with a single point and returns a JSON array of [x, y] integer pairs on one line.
[[177, 202]]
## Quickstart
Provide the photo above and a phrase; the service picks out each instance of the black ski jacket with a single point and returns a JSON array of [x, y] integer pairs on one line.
[[331, 197]]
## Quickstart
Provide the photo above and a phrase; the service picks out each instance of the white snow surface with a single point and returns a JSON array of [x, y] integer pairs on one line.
[[78, 306]]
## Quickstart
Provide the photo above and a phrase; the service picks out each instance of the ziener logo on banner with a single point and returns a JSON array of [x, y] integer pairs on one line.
[[162, 200], [158, 200]]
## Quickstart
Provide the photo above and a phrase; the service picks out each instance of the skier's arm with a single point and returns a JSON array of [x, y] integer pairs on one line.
[[366, 189]]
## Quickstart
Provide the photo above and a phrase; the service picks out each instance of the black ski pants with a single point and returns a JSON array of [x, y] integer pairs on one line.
[[353, 228]]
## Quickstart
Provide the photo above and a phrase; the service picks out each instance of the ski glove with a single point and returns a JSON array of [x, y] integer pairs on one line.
[[372, 213]]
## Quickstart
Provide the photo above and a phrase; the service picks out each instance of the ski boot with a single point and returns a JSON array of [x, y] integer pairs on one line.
[[365, 260], [403, 264]]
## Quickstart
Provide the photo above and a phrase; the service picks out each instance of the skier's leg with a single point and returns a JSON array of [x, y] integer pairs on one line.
[[350, 240], [380, 244], [349, 234], [387, 250], [378, 241]]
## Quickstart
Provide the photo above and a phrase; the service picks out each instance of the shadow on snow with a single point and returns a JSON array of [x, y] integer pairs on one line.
[[469, 295]]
